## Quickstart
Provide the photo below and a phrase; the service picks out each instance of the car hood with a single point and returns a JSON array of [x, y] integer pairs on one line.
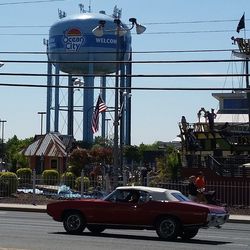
[[211, 208]]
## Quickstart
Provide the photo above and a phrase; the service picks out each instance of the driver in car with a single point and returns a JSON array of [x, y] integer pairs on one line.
[[134, 198]]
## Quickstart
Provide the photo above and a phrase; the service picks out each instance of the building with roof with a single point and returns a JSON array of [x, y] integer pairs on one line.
[[49, 151]]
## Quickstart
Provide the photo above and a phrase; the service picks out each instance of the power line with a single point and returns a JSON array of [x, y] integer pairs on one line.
[[194, 22], [146, 33], [112, 88], [133, 75], [188, 32], [28, 2], [23, 26], [132, 62], [148, 24], [133, 52]]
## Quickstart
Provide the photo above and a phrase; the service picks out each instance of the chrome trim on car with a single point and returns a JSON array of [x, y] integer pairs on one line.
[[214, 220]]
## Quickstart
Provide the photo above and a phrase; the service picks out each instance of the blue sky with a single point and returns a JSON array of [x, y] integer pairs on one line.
[[171, 25]]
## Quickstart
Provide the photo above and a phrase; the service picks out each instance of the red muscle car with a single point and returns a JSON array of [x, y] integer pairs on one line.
[[168, 212]]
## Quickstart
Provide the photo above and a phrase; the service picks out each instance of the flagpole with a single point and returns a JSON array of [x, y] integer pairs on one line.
[[247, 74], [245, 46], [244, 26]]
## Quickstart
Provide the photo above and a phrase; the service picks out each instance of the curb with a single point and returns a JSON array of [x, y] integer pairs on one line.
[[244, 219], [23, 208]]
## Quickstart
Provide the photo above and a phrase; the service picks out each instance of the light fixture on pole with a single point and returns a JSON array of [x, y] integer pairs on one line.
[[1, 64], [77, 82], [139, 28], [119, 31]]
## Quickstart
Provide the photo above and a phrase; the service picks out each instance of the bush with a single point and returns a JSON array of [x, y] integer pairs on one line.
[[8, 183], [50, 177], [68, 179], [86, 183], [24, 176]]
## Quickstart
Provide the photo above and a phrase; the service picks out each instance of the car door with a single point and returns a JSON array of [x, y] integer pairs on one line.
[[130, 213]]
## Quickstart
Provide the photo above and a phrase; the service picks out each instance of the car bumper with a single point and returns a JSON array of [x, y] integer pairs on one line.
[[214, 220]]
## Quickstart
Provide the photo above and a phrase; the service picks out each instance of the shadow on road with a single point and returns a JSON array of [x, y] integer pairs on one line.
[[148, 238]]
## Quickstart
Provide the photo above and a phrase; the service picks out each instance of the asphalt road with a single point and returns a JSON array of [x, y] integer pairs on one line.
[[22, 230]]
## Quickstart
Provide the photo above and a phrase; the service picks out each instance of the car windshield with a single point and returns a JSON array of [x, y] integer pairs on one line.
[[180, 196]]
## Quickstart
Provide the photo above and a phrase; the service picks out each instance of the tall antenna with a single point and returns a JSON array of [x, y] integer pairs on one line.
[[117, 13], [82, 10], [89, 6], [81, 6], [61, 14]]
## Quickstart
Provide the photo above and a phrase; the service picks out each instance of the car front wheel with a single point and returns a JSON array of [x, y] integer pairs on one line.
[[96, 229], [74, 223], [188, 234], [168, 228]]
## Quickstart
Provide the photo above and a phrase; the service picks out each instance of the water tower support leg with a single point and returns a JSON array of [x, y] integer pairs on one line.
[[70, 107], [88, 102], [49, 96], [57, 81]]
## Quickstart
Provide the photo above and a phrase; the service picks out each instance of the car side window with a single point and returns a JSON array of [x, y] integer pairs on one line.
[[145, 197], [138, 196], [126, 195], [118, 196]]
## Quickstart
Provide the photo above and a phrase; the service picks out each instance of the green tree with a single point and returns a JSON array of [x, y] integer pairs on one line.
[[101, 154], [14, 146], [173, 162], [79, 157], [132, 153], [163, 171], [102, 142], [168, 165]]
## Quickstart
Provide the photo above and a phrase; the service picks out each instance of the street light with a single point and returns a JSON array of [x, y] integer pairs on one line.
[[107, 128], [123, 106], [2, 154], [41, 114], [119, 31]]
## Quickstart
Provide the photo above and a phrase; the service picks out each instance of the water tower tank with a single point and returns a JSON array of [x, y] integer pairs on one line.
[[71, 39]]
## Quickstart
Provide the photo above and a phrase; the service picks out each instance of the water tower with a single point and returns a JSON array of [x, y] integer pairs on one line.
[[72, 48]]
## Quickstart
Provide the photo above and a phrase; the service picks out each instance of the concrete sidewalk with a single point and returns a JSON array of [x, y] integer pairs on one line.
[[42, 209], [23, 207]]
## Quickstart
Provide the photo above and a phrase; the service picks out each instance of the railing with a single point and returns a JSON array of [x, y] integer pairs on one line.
[[232, 193], [230, 166], [61, 188]]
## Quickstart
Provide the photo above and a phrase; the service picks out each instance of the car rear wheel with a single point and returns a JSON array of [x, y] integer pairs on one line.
[[168, 228], [188, 234], [96, 229], [74, 223]]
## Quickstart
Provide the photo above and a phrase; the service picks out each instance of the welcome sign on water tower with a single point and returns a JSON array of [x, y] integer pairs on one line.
[[73, 40]]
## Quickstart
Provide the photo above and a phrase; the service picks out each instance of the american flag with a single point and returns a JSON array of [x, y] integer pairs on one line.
[[99, 107]]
